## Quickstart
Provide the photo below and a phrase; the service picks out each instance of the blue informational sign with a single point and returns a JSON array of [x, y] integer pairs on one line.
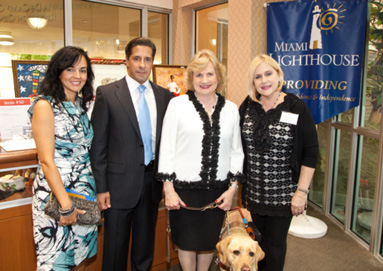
[[320, 47]]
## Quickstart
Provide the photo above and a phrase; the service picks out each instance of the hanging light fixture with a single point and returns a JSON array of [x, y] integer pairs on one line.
[[6, 38], [37, 22]]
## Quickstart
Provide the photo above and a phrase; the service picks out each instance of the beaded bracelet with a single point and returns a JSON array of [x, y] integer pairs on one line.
[[235, 185], [67, 212]]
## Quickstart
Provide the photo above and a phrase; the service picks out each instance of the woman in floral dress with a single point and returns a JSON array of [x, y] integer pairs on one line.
[[63, 135]]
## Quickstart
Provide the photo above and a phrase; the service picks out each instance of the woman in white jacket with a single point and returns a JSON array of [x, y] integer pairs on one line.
[[201, 160]]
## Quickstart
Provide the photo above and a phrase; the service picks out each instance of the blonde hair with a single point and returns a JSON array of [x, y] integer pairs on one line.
[[252, 91], [199, 62]]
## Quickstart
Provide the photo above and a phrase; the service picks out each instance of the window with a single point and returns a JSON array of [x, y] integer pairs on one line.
[[317, 185], [372, 97], [212, 30], [158, 32], [341, 172], [34, 30], [358, 142], [29, 30], [365, 187], [104, 30]]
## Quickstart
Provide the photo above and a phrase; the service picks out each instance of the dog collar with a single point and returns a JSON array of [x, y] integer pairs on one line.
[[222, 266]]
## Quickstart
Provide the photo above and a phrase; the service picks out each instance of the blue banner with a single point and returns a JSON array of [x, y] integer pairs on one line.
[[320, 47]]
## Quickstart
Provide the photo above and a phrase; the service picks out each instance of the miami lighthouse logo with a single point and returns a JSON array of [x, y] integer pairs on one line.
[[325, 20]]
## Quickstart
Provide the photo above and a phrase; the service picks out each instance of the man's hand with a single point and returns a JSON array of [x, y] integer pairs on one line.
[[103, 200]]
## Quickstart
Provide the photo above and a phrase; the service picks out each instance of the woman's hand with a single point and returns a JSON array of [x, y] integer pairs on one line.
[[226, 199], [298, 203], [172, 200], [71, 219]]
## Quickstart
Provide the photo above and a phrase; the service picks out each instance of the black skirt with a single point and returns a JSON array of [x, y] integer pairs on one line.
[[197, 230]]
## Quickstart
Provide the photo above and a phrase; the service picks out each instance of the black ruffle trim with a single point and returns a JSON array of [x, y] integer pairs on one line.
[[165, 177], [239, 177], [210, 141], [262, 120], [201, 184]]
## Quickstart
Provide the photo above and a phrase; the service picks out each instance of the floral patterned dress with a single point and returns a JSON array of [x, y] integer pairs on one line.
[[62, 248]]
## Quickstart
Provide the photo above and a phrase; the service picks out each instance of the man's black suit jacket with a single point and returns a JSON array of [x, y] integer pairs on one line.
[[117, 152]]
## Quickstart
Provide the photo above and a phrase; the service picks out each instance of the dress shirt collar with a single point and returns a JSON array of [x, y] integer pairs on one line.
[[133, 84]]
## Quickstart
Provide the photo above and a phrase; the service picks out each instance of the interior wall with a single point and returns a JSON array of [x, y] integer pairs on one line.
[[241, 45], [246, 38], [182, 33]]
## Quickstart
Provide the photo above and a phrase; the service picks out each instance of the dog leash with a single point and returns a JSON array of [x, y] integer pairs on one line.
[[217, 261], [168, 230], [248, 229], [211, 205]]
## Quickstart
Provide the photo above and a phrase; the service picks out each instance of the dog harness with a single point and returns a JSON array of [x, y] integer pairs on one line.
[[248, 229]]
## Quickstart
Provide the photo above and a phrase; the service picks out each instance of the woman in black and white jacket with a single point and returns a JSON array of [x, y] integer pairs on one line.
[[281, 148]]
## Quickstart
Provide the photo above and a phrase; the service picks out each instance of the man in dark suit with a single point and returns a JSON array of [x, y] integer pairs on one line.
[[124, 159]]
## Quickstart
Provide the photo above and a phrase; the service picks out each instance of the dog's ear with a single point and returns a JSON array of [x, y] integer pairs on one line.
[[259, 252], [222, 248]]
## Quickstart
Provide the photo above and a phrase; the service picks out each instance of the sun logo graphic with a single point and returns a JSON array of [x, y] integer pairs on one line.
[[327, 21]]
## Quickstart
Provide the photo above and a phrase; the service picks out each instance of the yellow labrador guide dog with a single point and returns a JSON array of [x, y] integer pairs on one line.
[[237, 251]]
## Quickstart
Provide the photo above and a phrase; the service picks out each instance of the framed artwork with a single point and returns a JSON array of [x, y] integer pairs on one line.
[[170, 77], [107, 61], [27, 76], [105, 73]]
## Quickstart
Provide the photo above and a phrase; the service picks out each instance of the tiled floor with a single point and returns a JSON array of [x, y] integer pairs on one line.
[[336, 251]]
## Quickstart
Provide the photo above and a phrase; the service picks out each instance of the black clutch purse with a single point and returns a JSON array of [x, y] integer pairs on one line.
[[91, 217]]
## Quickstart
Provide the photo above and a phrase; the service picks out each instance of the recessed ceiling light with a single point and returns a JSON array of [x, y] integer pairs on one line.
[[37, 22], [6, 38]]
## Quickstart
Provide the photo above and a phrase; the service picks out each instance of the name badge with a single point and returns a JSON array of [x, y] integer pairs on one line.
[[289, 118]]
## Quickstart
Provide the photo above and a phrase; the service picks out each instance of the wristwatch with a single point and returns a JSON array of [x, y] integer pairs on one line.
[[235, 185]]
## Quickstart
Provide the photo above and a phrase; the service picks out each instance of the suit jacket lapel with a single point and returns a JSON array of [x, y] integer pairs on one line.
[[158, 94], [123, 95]]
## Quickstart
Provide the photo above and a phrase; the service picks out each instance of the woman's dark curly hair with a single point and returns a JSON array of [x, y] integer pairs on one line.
[[64, 58]]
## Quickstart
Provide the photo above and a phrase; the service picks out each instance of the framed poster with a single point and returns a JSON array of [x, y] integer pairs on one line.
[[105, 73], [170, 77], [27, 76]]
